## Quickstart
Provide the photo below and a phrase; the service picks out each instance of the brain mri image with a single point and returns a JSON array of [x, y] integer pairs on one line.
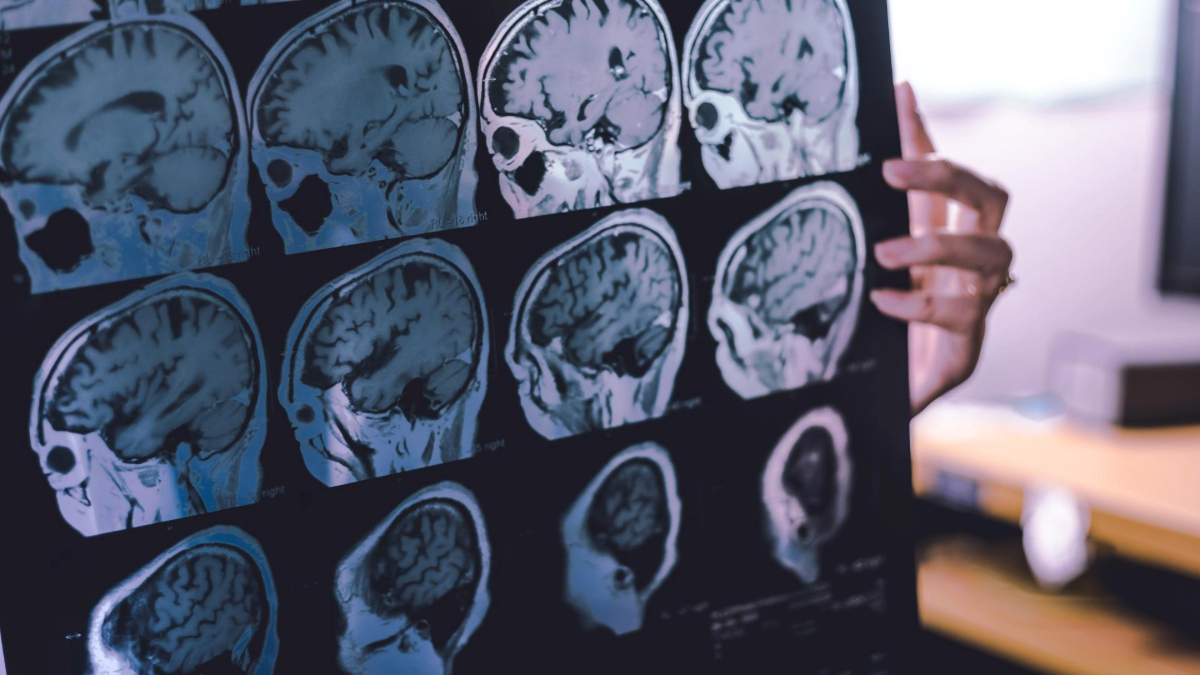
[[386, 366], [806, 491], [123, 152], [126, 8], [415, 589], [18, 14], [787, 292], [207, 605], [362, 125], [579, 105], [599, 327], [153, 408], [771, 89], [620, 537]]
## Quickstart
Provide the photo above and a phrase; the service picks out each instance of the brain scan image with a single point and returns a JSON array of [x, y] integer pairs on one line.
[[362, 125], [18, 14], [598, 332], [386, 366], [806, 491], [126, 8], [787, 293], [153, 408], [415, 589], [579, 105], [123, 152], [620, 537], [771, 89], [206, 605]]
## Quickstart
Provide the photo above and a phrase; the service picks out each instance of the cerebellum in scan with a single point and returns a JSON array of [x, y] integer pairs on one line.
[[806, 491], [124, 155], [598, 332], [415, 589], [153, 408], [787, 292], [771, 88], [620, 539], [362, 121], [206, 605], [386, 366], [580, 106]]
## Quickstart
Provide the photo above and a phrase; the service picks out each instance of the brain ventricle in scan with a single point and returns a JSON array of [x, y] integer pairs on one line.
[[399, 71], [425, 567], [777, 57], [629, 519], [797, 273], [405, 337], [811, 471], [613, 91], [610, 304], [203, 611], [180, 368]]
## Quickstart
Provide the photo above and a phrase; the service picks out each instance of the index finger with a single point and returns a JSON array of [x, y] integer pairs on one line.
[[941, 176]]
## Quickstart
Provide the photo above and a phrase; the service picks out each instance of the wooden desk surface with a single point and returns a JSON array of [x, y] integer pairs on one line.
[[1143, 487], [982, 594]]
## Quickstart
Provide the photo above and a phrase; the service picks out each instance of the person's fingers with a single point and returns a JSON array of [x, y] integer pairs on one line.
[[928, 211], [943, 177], [914, 137], [985, 254], [959, 314]]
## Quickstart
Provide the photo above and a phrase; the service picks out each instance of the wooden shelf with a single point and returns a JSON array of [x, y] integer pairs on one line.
[[982, 594], [1142, 487]]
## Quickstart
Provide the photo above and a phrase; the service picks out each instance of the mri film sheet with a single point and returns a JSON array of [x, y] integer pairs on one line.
[[430, 335]]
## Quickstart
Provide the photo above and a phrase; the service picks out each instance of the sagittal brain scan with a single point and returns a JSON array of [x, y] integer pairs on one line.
[[206, 605], [362, 125], [153, 409], [123, 151], [18, 14], [127, 8], [415, 589], [771, 89], [599, 327], [806, 491], [620, 539], [579, 105], [787, 292], [386, 366]]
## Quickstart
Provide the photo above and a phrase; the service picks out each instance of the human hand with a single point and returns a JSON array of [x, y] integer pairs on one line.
[[958, 260]]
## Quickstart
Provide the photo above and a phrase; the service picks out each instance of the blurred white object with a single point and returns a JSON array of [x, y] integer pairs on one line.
[[1055, 525], [1033, 50]]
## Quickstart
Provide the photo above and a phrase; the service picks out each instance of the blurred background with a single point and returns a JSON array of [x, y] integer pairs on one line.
[[1060, 487]]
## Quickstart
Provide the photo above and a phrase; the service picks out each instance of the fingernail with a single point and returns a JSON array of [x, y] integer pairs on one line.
[[891, 251], [897, 170]]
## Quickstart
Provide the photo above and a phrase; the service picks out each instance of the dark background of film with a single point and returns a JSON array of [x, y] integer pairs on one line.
[[857, 619]]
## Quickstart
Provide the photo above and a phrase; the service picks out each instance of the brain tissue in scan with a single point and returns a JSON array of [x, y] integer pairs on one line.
[[206, 605], [620, 537], [127, 8], [153, 409], [362, 125], [123, 152], [599, 327], [579, 105], [19, 14], [787, 292], [806, 491], [415, 589], [771, 89], [386, 366]]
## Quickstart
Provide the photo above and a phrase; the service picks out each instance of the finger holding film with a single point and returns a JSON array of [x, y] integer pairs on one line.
[[943, 177], [959, 314], [985, 254]]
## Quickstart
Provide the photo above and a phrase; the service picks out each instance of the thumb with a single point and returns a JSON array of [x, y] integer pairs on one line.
[[914, 138]]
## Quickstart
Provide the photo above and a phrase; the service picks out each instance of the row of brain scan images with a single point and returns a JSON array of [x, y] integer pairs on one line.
[[154, 408], [416, 587], [131, 138]]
